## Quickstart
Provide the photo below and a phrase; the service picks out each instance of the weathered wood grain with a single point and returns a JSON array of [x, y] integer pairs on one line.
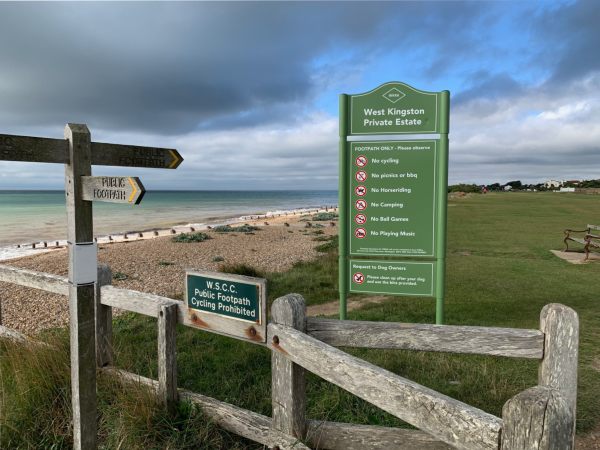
[[449, 420], [288, 380], [134, 301], [103, 315], [167, 356], [236, 420], [518, 343], [81, 297], [36, 280], [12, 335], [348, 436], [558, 369], [33, 149], [538, 418]]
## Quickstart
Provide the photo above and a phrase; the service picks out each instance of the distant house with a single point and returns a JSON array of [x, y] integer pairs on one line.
[[553, 183]]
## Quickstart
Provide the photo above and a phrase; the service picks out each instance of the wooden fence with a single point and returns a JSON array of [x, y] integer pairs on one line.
[[541, 417]]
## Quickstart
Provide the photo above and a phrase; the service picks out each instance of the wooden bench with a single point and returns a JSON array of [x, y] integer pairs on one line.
[[589, 241]]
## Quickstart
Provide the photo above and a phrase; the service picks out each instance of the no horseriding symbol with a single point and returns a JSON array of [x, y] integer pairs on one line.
[[361, 161], [360, 190], [360, 233], [358, 278], [361, 204], [360, 219], [361, 175]]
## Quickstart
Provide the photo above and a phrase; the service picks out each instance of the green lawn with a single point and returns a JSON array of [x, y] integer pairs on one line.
[[500, 272]]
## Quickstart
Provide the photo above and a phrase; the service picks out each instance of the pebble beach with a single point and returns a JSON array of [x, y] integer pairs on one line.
[[157, 265]]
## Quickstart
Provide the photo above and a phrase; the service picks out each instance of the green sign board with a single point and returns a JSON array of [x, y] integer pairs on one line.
[[393, 195], [227, 304], [396, 108], [391, 277], [393, 198]]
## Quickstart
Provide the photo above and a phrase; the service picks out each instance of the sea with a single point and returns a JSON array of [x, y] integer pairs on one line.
[[35, 216]]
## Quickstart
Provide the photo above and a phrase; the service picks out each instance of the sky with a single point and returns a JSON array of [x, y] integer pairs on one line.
[[248, 91]]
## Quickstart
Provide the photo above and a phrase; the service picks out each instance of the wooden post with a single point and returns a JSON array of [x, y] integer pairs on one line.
[[167, 356], [558, 369], [81, 290], [103, 314], [288, 379], [539, 418]]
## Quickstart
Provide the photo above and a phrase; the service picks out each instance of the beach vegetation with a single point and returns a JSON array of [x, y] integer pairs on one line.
[[198, 236], [323, 238], [330, 246], [325, 217], [246, 228], [165, 263], [120, 276], [218, 259], [241, 269]]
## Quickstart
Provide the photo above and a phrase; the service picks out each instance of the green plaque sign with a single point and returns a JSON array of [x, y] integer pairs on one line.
[[226, 304], [391, 277], [396, 108], [393, 198], [393, 192]]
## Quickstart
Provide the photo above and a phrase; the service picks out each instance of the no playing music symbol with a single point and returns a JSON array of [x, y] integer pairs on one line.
[[358, 278], [360, 233]]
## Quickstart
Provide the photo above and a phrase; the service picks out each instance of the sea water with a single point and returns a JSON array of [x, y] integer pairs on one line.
[[34, 216]]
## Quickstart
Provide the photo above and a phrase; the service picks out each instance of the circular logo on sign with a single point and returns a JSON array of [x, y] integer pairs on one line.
[[361, 175], [358, 278], [361, 161], [360, 190], [361, 204], [360, 233], [360, 219]]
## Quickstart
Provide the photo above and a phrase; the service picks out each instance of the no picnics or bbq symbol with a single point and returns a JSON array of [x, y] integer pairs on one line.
[[361, 204], [360, 190], [361, 175], [360, 233], [360, 219], [358, 278], [361, 161]]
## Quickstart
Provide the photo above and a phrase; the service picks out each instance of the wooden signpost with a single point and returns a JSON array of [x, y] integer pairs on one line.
[[79, 153]]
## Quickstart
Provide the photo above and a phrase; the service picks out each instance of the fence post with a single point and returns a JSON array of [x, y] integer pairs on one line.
[[539, 418], [167, 356], [558, 369], [104, 353], [288, 379]]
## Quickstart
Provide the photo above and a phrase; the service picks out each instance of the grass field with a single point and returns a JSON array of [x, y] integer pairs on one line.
[[500, 272]]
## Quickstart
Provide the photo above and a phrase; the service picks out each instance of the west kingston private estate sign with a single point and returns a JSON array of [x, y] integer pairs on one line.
[[393, 183]]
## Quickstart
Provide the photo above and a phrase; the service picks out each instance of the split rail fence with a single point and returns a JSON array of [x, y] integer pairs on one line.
[[541, 417]]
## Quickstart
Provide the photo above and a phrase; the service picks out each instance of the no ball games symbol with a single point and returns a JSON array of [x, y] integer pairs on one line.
[[360, 190], [360, 219], [361, 161], [360, 233], [358, 278], [361, 175], [361, 205]]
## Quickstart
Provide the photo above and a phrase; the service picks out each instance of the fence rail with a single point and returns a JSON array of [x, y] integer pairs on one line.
[[542, 417]]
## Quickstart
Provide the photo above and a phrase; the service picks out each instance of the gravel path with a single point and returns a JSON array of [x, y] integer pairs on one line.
[[158, 266]]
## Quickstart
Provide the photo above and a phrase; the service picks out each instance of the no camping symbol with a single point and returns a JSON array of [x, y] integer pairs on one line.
[[361, 204], [360, 190], [358, 278], [361, 175], [361, 161], [360, 233]]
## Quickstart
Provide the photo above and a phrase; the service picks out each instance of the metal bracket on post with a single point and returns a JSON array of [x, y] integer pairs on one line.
[[85, 263]]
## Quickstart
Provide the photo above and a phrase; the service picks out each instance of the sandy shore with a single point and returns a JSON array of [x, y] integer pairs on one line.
[[158, 265]]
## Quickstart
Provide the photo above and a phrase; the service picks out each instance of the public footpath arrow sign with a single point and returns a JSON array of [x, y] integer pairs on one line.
[[113, 189], [393, 166], [79, 153]]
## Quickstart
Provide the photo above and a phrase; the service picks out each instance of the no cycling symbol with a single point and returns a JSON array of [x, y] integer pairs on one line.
[[360, 190], [361, 205], [361, 175], [360, 219], [361, 161], [360, 233], [358, 278]]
